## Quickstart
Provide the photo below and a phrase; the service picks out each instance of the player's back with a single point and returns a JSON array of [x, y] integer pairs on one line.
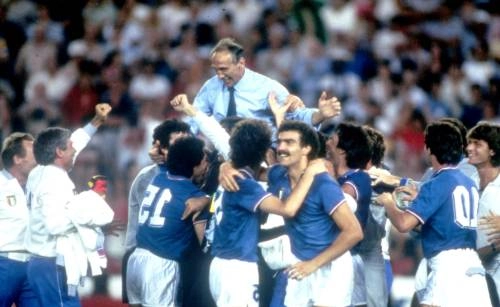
[[237, 229], [161, 229], [447, 204]]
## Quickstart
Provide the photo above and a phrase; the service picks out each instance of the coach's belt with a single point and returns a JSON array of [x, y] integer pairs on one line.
[[18, 256]]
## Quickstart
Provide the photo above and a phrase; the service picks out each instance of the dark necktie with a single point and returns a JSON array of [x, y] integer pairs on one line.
[[231, 108]]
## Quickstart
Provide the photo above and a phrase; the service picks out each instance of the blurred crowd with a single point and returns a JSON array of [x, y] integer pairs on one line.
[[394, 64]]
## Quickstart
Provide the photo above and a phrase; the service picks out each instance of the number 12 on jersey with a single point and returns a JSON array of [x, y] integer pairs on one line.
[[154, 203]]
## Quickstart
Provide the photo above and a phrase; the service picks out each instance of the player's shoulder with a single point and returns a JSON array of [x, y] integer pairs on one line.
[[324, 182], [324, 177], [247, 183], [455, 176], [147, 173], [276, 172], [445, 181], [148, 169]]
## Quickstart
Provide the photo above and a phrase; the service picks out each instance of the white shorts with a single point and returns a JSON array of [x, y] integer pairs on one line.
[[277, 252], [359, 290], [152, 280], [455, 278], [330, 285], [377, 293], [421, 280], [234, 283]]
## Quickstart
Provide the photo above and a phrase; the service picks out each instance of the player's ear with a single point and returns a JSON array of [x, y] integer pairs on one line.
[[241, 62], [306, 150]]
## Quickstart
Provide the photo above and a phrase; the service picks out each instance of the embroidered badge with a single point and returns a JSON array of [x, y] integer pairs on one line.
[[11, 200]]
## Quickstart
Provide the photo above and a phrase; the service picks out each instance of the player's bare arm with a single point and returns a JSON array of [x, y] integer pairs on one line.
[[294, 201], [199, 229], [350, 234], [280, 110], [227, 175], [195, 205], [402, 220]]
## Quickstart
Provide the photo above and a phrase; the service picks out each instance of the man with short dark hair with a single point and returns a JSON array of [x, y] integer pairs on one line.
[[446, 206], [163, 136], [483, 151], [349, 150], [163, 237], [323, 231], [238, 217], [375, 254]]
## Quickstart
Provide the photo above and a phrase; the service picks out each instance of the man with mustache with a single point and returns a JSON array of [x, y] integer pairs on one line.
[[324, 229], [321, 232], [238, 217]]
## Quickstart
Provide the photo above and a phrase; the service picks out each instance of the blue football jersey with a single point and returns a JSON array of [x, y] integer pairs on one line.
[[447, 207], [361, 182], [238, 221], [312, 230], [161, 230]]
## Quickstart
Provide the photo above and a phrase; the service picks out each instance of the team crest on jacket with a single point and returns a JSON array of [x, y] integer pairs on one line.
[[11, 200]]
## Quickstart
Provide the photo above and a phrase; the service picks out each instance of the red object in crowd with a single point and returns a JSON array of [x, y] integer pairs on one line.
[[98, 184]]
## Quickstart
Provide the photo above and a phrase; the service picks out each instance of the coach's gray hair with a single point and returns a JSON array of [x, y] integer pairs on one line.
[[230, 45], [47, 142]]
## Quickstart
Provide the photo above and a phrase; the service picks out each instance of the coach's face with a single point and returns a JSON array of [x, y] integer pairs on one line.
[[67, 155], [227, 69]]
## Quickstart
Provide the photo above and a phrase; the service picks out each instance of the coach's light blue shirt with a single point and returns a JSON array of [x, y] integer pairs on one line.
[[250, 94]]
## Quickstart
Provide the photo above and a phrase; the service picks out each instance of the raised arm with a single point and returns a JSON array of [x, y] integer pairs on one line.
[[280, 110], [101, 114], [81, 136], [207, 124], [327, 108]]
